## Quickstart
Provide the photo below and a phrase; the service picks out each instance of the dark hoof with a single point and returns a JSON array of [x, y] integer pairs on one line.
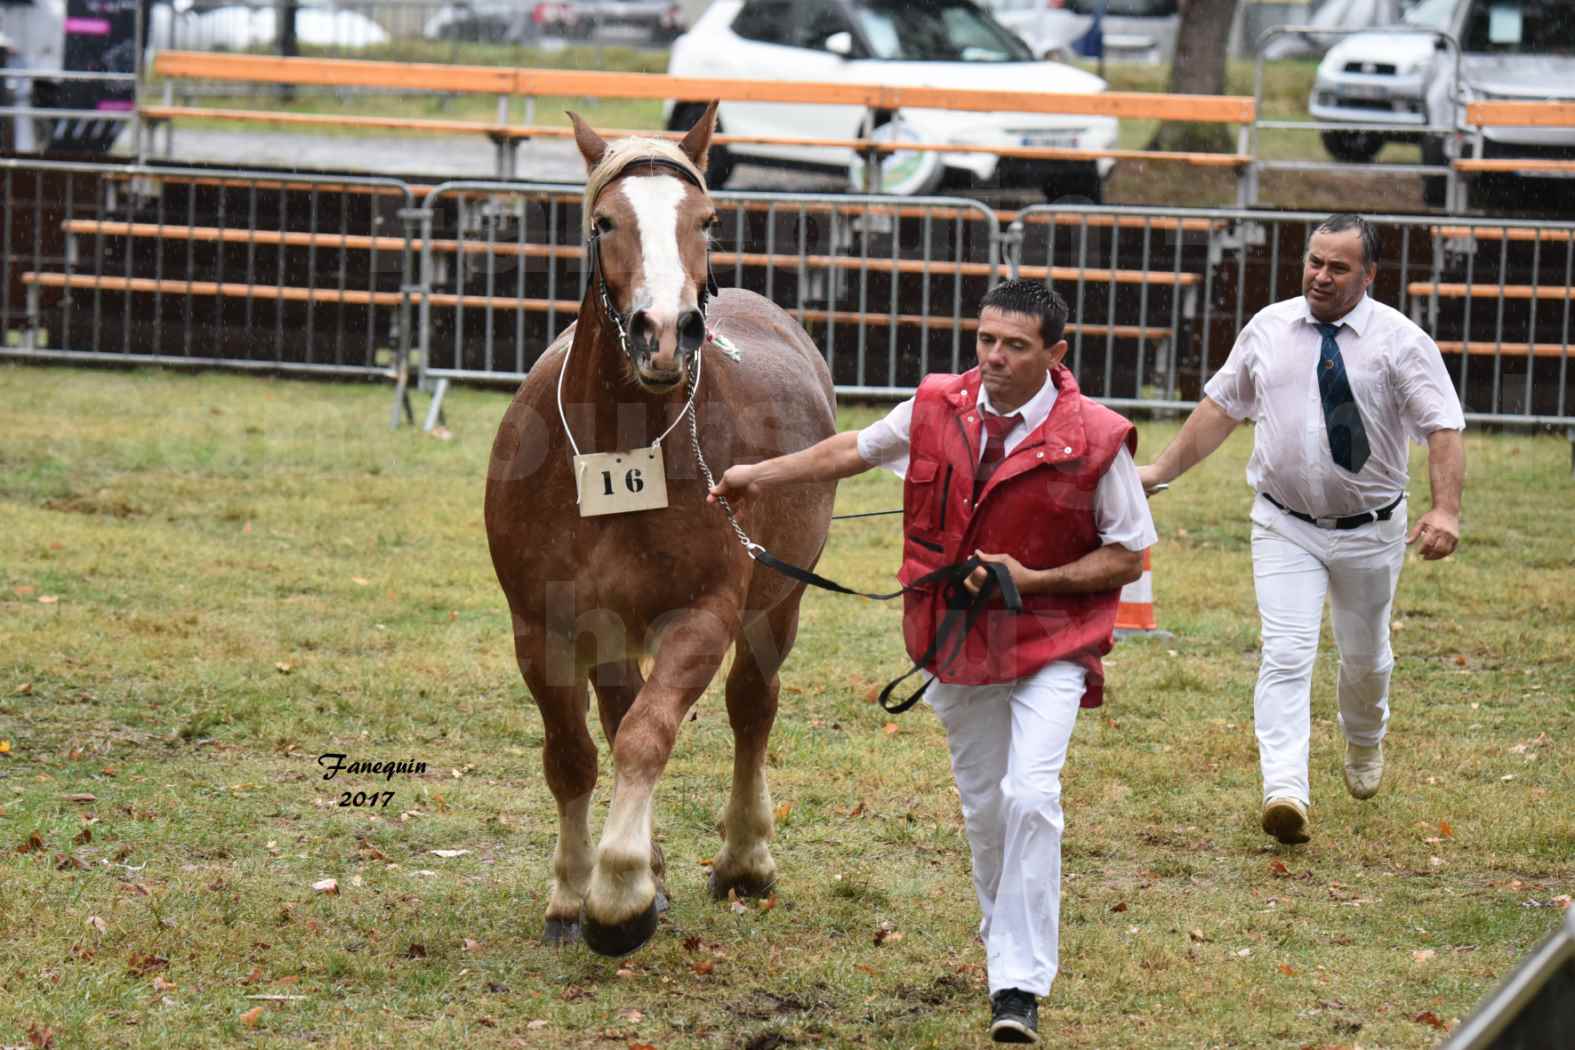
[[620, 939], [560, 932], [742, 888]]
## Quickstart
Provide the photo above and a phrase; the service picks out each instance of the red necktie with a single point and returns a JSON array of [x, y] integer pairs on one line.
[[994, 433]]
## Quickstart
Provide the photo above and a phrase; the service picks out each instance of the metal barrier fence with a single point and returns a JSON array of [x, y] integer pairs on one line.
[[194, 267], [323, 275], [1495, 295], [886, 286]]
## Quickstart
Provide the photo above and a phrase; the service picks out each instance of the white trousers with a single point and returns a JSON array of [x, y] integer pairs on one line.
[[1294, 566], [1008, 744]]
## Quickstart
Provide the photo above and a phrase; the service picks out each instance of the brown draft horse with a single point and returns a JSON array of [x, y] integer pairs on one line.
[[645, 605]]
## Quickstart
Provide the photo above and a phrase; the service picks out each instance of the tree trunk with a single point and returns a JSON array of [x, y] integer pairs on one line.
[[1202, 46]]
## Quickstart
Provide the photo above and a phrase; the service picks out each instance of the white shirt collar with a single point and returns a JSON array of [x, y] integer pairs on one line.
[[1034, 411], [1358, 319]]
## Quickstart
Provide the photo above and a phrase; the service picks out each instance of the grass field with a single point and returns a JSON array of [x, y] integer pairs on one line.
[[208, 581]]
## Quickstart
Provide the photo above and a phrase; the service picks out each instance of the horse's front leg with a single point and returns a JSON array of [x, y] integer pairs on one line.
[[618, 684], [744, 864], [568, 757], [621, 903]]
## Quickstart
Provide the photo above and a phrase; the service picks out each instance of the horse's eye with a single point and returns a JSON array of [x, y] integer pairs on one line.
[[603, 224]]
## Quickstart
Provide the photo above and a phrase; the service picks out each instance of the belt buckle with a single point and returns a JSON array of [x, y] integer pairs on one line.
[[1327, 523]]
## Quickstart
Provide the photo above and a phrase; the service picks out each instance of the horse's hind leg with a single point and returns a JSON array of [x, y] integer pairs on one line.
[[617, 684], [744, 864], [568, 757]]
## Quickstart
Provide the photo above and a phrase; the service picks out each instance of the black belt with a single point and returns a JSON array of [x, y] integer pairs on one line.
[[1350, 521]]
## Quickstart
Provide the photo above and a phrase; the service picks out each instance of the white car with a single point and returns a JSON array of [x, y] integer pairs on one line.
[[243, 27], [937, 44], [1378, 78], [1510, 50], [1048, 30]]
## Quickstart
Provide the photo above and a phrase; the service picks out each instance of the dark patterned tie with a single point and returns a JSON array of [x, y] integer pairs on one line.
[[1341, 418], [995, 430]]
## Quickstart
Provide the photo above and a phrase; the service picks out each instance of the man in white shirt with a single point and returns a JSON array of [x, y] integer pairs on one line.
[[1011, 463], [1335, 383]]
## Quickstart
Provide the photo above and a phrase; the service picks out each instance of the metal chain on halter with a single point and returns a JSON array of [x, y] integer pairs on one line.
[[750, 546]]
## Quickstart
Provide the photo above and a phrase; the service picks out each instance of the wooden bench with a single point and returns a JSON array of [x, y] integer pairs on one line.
[[527, 84], [1480, 115]]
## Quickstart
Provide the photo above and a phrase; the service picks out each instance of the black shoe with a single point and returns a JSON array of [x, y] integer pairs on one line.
[[1014, 1016]]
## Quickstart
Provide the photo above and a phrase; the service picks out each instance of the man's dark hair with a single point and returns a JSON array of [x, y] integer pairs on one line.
[[1031, 299], [1343, 221]]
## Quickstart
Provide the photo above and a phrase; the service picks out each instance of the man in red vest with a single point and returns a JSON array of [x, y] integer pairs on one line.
[[1011, 463]]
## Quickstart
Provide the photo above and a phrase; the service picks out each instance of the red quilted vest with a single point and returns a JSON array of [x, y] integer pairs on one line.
[[1037, 507]]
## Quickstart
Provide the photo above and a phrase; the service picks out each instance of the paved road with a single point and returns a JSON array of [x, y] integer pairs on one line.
[[425, 157]]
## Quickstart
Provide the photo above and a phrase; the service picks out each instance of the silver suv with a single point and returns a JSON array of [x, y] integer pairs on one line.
[[1511, 50]]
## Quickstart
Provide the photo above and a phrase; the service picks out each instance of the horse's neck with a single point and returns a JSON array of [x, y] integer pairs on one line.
[[607, 410]]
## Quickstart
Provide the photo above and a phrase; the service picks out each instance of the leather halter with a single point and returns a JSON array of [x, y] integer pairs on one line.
[[593, 251]]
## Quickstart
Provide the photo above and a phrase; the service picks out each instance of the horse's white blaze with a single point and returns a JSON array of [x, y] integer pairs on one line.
[[655, 199]]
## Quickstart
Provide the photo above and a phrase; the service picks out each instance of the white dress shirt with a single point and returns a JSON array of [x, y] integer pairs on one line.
[[1120, 509], [1397, 377]]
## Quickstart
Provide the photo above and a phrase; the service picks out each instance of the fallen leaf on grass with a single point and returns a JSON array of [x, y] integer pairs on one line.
[[34, 843], [857, 810], [642, 1046], [360, 581], [472, 945], [284, 667], [1198, 936], [98, 924], [416, 951], [702, 967], [24, 689], [783, 811], [1423, 955], [5, 747], [536, 1025], [447, 854], [1119, 906], [692, 944], [626, 972], [1278, 869], [69, 862], [1430, 1019], [141, 965], [47, 599], [23, 590], [326, 886], [890, 728], [865, 968], [81, 797], [631, 1015], [252, 1017], [1287, 969], [771, 902], [83, 837], [1445, 830], [253, 977], [160, 985], [42, 1038]]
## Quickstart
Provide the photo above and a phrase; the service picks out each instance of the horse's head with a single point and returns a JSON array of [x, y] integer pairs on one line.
[[648, 222]]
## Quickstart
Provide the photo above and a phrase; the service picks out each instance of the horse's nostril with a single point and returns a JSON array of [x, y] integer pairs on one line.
[[691, 329]]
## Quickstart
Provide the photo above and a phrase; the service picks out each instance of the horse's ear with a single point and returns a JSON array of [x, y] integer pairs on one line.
[[592, 146], [697, 143]]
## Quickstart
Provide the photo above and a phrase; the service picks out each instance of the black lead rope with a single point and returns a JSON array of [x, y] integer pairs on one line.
[[963, 608]]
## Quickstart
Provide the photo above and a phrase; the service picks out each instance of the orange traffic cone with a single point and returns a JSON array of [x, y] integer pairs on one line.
[[1136, 612]]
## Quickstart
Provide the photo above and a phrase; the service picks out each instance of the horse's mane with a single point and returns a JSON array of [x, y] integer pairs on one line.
[[621, 153]]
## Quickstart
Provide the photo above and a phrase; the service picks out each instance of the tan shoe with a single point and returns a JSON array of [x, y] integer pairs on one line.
[[1364, 769], [1286, 820]]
